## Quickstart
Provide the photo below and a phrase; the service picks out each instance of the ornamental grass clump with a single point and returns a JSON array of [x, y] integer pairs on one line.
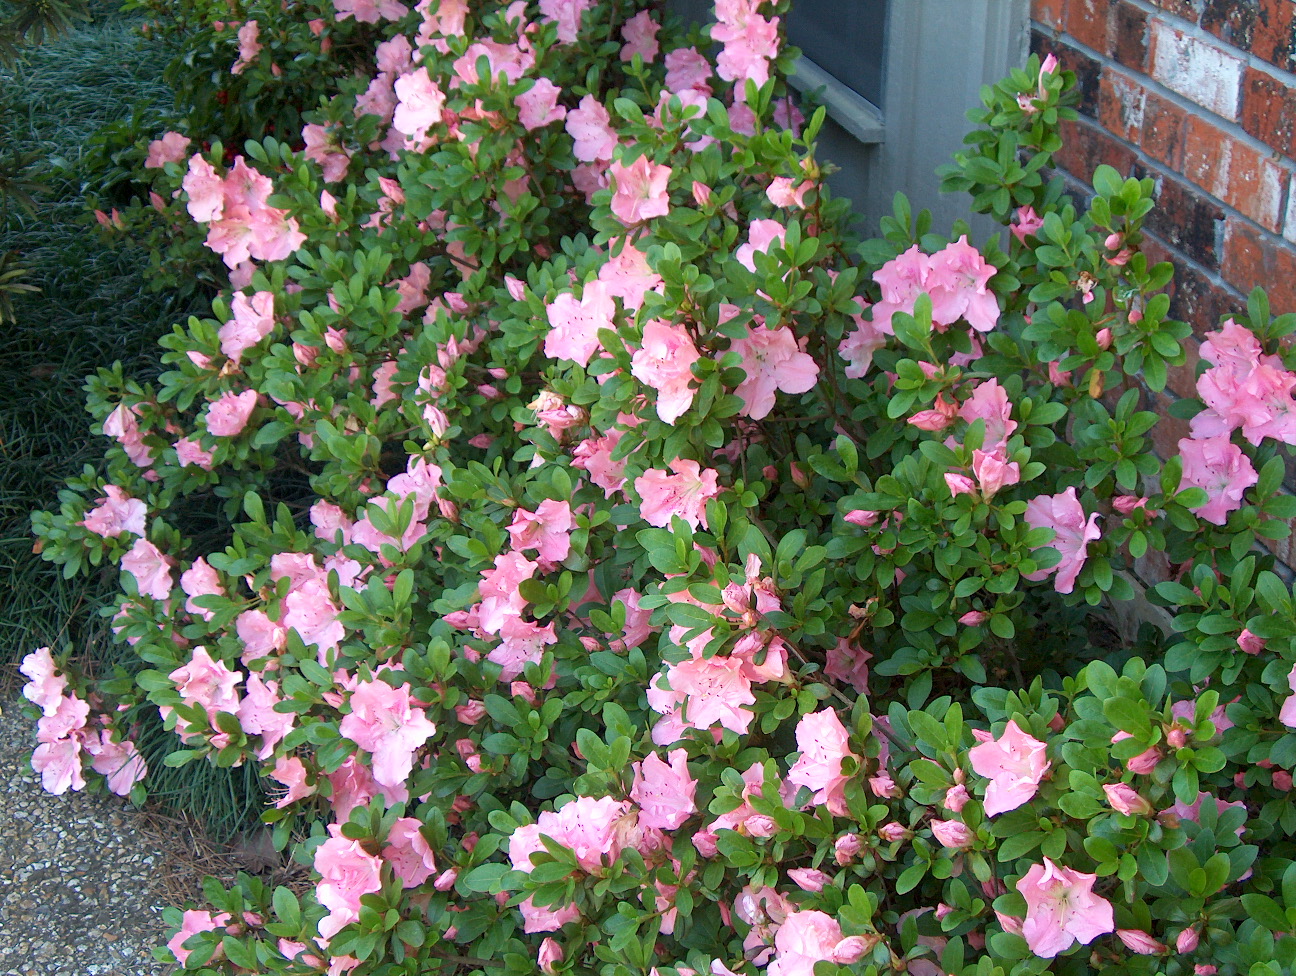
[[612, 566]]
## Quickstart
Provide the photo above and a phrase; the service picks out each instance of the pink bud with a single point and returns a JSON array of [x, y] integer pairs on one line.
[[1104, 338], [446, 879], [1250, 643], [1282, 780], [953, 834], [1187, 940], [892, 832], [861, 517], [973, 618], [550, 954], [1204, 969], [470, 841], [1135, 316], [1239, 780], [761, 826], [799, 477], [770, 472], [520, 689], [960, 484], [846, 848], [956, 797], [1176, 738], [701, 193], [942, 910], [883, 785], [1113, 241], [851, 949], [1125, 799], [1049, 66], [809, 879], [1139, 941], [1057, 723]]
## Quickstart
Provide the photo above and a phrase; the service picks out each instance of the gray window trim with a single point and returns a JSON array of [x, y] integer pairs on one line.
[[849, 109]]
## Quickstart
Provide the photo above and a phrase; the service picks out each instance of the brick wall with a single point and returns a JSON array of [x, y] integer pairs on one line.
[[1199, 95]]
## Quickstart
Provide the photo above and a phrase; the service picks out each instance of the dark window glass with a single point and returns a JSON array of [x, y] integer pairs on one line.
[[844, 37]]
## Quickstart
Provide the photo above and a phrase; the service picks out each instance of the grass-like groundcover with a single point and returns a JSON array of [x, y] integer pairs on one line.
[[94, 307]]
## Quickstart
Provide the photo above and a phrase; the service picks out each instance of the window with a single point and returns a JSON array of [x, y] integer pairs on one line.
[[847, 40]]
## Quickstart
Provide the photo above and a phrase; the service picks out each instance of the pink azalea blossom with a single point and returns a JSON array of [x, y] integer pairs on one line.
[[418, 104], [522, 643], [257, 716], [547, 529], [628, 276], [664, 792], [116, 513], [200, 580], [192, 924], [702, 693], [848, 663], [1125, 799], [1072, 534], [808, 937], [253, 320], [171, 148], [687, 68], [760, 237], [500, 598], [1061, 909], [249, 46], [640, 35], [567, 15], [750, 42], [538, 106], [684, 493], [229, 413], [574, 324], [1287, 715], [860, 343], [589, 125], [311, 612], [151, 569], [386, 722], [1219, 466], [824, 743], [45, 689], [369, 11], [190, 452], [347, 872], [59, 765], [772, 360], [665, 364], [409, 853], [641, 191], [207, 682], [119, 763], [1015, 763], [957, 281], [1026, 222]]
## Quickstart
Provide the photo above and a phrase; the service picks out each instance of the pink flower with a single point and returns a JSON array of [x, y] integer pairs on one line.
[[116, 513], [772, 360], [229, 413], [171, 148], [419, 104], [588, 124], [119, 763], [59, 765], [386, 722], [192, 924], [957, 282], [640, 34], [151, 569], [207, 682], [760, 236], [956, 797], [200, 580], [665, 364], [249, 46], [989, 402], [257, 716], [539, 106], [368, 11], [1072, 533], [684, 493], [858, 346], [522, 643], [641, 191], [848, 663], [574, 325], [809, 879], [45, 689], [1015, 763], [1141, 942], [189, 452], [1219, 466], [549, 956], [808, 937], [664, 792], [253, 320], [628, 276], [409, 853], [953, 834], [347, 872], [567, 15], [1061, 909], [686, 68], [702, 693], [750, 42], [547, 529], [311, 612], [823, 742], [1026, 223], [1288, 713]]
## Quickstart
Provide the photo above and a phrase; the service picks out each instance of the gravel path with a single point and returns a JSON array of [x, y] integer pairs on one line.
[[75, 894]]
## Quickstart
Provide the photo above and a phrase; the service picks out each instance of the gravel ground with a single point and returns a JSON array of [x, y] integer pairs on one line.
[[76, 897]]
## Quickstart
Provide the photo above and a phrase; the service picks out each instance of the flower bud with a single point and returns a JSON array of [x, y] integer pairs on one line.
[[846, 848], [1282, 780], [549, 956], [956, 797], [1250, 643], [1141, 942], [893, 832], [953, 834], [761, 826], [852, 949], [973, 618], [1125, 799], [446, 879], [1104, 338], [1187, 940], [1176, 738], [809, 879], [1113, 241]]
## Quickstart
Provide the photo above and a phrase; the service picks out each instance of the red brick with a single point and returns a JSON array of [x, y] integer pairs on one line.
[[1274, 36], [1129, 28], [1089, 22], [1234, 172], [1187, 221], [1120, 105], [1269, 111], [1050, 13], [1088, 73], [1182, 380], [1085, 147], [1187, 9], [1168, 430], [1202, 72], [1232, 21], [1164, 130], [1252, 258], [1194, 298]]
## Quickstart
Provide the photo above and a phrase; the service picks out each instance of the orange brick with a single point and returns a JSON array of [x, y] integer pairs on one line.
[[1050, 13], [1121, 102], [1234, 172], [1252, 258], [1164, 125], [1089, 22]]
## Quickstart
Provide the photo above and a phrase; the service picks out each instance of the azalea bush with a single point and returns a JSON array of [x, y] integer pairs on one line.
[[613, 566]]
